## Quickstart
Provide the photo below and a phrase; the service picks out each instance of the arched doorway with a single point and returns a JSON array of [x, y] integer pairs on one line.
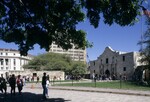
[[107, 72]]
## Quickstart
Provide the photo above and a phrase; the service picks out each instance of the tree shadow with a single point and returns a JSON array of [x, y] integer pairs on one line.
[[28, 97]]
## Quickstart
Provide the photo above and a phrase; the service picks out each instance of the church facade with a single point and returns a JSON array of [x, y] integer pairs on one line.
[[115, 63]]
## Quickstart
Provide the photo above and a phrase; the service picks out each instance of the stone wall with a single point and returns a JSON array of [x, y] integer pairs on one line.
[[57, 74]]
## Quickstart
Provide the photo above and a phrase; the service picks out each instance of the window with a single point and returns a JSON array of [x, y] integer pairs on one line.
[[2, 68], [20, 62], [6, 53], [2, 62], [123, 58], [101, 61], [94, 63], [1, 53], [14, 62], [124, 69], [6, 60], [6, 68], [14, 68], [106, 60], [112, 59]]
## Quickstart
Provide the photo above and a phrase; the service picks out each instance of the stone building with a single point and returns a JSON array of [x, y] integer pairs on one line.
[[11, 60], [116, 63]]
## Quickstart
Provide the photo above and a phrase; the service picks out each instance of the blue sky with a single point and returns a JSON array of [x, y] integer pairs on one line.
[[118, 38]]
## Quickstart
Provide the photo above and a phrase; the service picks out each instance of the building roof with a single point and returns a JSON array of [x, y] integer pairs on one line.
[[119, 52], [4, 49], [13, 50]]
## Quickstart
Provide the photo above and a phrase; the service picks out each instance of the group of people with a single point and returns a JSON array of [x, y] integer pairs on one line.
[[13, 81]]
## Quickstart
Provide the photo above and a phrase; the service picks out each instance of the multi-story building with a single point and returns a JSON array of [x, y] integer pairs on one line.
[[75, 54], [11, 60], [117, 63]]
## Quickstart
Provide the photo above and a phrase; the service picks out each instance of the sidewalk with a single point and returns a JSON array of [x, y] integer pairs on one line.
[[92, 89]]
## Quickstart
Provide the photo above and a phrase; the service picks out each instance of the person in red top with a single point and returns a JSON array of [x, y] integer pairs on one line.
[[19, 83]]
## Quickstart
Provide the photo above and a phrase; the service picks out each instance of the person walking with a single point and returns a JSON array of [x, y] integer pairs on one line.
[[44, 85], [19, 84], [12, 83], [3, 85], [38, 79]]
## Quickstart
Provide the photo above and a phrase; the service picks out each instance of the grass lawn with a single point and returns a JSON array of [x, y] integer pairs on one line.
[[113, 84]]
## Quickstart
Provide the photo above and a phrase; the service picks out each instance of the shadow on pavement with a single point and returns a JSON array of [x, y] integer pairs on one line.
[[28, 97]]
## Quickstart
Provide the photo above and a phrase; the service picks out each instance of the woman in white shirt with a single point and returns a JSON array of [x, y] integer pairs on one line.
[[47, 86]]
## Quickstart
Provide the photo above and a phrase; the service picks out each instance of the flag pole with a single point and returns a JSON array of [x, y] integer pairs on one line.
[[141, 33]]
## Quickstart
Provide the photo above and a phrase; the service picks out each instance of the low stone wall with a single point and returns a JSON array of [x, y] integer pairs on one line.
[[57, 75]]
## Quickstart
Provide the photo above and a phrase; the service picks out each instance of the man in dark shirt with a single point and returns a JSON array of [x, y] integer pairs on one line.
[[12, 82], [44, 85]]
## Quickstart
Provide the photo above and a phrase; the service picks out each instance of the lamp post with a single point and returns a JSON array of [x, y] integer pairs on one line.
[[120, 81]]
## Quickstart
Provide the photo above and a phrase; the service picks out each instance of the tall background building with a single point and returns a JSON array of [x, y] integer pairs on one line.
[[75, 54]]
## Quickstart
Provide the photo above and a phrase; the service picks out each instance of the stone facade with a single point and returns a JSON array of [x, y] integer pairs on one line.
[[117, 63], [11, 60]]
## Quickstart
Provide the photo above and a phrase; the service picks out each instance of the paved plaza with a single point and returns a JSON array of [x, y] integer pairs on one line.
[[56, 94]]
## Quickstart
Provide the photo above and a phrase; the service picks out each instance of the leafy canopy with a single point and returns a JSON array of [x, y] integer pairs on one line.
[[53, 61], [49, 61], [78, 68], [29, 22]]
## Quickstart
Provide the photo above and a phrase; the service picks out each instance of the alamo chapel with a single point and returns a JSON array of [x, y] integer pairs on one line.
[[117, 63]]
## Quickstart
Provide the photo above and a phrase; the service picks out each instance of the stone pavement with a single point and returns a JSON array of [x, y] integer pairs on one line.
[[33, 93]]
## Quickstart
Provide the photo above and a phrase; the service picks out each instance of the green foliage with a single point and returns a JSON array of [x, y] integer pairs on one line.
[[49, 61], [78, 68], [53, 61], [29, 22]]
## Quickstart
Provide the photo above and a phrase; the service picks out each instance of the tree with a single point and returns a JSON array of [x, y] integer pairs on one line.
[[50, 61], [145, 51], [43, 22], [145, 43], [78, 69]]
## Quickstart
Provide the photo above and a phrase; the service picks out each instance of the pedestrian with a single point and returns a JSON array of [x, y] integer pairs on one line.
[[44, 85], [24, 80], [47, 86], [38, 79], [48, 77], [3, 85], [19, 84], [12, 83]]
